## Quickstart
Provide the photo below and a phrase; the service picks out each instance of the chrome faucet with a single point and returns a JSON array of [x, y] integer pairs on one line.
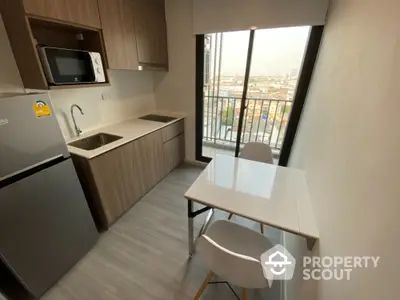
[[78, 131]]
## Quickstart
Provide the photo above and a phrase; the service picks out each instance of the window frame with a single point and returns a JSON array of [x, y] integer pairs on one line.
[[299, 100]]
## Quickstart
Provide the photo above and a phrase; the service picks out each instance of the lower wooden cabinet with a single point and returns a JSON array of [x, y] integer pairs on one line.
[[149, 150], [114, 181], [174, 153], [172, 130], [116, 175]]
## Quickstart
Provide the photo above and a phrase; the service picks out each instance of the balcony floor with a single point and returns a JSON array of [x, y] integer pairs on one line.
[[211, 152]]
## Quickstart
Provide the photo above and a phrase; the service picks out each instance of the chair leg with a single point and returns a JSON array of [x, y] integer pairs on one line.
[[203, 286], [244, 297], [262, 228], [230, 216]]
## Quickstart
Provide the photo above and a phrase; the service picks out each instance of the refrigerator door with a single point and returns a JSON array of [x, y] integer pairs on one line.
[[29, 133], [45, 226]]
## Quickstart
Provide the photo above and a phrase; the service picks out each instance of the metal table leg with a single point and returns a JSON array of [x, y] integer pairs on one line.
[[191, 240], [206, 222], [190, 227], [191, 215]]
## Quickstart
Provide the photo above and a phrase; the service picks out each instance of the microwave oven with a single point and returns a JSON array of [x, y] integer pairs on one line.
[[70, 66]]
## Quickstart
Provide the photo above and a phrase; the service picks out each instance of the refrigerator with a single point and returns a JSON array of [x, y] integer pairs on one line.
[[45, 223]]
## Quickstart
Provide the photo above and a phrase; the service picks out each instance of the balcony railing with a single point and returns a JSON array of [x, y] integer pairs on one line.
[[265, 121]]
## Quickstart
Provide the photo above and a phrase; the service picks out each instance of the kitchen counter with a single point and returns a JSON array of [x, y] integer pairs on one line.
[[129, 130]]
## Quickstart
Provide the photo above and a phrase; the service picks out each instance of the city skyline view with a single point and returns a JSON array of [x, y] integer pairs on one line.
[[274, 70], [275, 51]]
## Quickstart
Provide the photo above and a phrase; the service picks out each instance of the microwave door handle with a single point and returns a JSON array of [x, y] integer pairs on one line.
[[45, 64]]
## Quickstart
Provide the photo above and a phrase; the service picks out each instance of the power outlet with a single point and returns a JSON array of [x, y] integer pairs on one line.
[[106, 96]]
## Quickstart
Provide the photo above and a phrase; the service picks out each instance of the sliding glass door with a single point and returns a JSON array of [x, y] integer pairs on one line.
[[247, 83], [222, 93]]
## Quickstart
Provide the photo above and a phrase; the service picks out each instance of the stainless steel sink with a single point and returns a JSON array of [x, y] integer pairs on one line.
[[158, 118], [95, 141]]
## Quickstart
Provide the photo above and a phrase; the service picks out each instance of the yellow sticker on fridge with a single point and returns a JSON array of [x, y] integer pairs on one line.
[[41, 109]]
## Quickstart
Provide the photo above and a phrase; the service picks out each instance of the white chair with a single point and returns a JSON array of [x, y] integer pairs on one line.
[[258, 152], [232, 252]]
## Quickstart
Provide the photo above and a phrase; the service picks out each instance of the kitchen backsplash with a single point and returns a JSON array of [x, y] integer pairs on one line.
[[131, 94]]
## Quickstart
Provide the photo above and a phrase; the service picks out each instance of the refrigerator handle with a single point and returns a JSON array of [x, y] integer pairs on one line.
[[23, 173]]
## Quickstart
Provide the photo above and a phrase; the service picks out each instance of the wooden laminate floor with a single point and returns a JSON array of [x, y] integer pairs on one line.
[[144, 254]]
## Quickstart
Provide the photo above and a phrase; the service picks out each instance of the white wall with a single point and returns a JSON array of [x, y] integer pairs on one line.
[[176, 89], [349, 144], [211, 16], [131, 94]]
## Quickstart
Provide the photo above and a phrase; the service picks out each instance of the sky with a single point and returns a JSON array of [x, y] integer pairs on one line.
[[276, 51]]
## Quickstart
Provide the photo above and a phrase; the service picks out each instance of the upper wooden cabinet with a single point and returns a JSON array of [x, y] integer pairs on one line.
[[119, 33], [55, 23], [84, 12], [134, 33], [151, 34]]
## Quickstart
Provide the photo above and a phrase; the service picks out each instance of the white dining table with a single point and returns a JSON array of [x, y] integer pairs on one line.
[[269, 194]]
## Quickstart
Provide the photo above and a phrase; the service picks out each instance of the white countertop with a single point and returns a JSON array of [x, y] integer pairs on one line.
[[129, 130], [270, 194]]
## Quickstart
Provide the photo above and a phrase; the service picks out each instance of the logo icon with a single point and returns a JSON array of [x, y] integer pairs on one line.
[[41, 109], [278, 263]]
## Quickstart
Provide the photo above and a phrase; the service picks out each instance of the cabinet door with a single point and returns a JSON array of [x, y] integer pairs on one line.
[[119, 33], [172, 130], [117, 178], [174, 153], [84, 12], [150, 159], [151, 33]]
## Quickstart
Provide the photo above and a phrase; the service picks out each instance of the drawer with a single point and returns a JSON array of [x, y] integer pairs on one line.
[[174, 153], [172, 130]]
